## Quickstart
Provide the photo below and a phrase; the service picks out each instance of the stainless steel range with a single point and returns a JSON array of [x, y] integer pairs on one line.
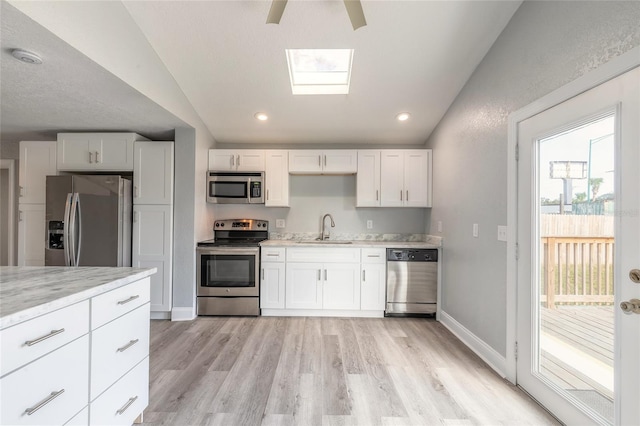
[[228, 268]]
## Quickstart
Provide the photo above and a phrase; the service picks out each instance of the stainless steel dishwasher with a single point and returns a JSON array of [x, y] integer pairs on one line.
[[412, 277]]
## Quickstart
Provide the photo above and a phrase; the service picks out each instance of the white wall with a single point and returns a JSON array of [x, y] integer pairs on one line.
[[4, 216], [313, 196], [546, 45]]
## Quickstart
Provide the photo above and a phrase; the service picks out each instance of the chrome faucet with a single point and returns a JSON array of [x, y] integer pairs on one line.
[[333, 224]]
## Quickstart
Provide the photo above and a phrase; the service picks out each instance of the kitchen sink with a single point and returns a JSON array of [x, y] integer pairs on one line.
[[325, 242]]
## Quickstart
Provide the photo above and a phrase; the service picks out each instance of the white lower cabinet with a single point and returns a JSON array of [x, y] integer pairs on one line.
[[303, 289], [272, 285], [123, 402], [31, 234], [341, 286], [374, 279], [44, 392]]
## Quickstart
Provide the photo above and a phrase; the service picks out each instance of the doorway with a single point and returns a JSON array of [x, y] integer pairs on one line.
[[578, 238], [7, 213]]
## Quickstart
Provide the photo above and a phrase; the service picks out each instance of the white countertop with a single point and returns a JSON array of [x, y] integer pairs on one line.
[[29, 291], [354, 243]]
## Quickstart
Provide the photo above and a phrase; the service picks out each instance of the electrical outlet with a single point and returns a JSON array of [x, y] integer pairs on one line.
[[502, 233], [475, 230], [369, 224], [280, 223], [439, 226]]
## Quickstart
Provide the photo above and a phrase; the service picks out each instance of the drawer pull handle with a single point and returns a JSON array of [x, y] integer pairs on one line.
[[128, 345], [273, 254], [131, 299], [40, 339], [39, 405], [127, 405], [373, 255]]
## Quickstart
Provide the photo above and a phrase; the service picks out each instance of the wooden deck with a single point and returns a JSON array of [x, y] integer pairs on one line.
[[577, 352]]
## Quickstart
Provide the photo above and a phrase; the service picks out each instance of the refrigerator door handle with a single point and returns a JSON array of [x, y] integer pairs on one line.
[[79, 218], [65, 230], [72, 230]]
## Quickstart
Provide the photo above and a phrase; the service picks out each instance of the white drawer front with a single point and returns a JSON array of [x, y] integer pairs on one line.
[[125, 400], [327, 254], [111, 305], [30, 340], [117, 347], [272, 254], [64, 369], [374, 255]]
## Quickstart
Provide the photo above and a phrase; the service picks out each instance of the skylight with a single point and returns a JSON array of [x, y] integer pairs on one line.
[[320, 71]]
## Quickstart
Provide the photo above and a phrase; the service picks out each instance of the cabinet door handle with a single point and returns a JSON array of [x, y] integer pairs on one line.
[[131, 299], [262, 273], [407, 195], [21, 191], [20, 216], [233, 161], [325, 274], [29, 411], [272, 254], [128, 345], [319, 161], [319, 275], [238, 162], [401, 195], [127, 405], [90, 157], [97, 157], [373, 255], [135, 216], [363, 275], [45, 337], [135, 191], [267, 195], [325, 161], [376, 195]]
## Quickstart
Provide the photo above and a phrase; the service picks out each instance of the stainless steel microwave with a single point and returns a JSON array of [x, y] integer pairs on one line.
[[235, 187]]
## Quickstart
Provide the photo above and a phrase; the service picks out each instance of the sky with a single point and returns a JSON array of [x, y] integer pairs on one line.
[[574, 146]]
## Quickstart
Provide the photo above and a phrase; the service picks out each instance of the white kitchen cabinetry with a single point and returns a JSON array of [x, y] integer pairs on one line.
[[368, 179], [405, 178], [153, 173], [152, 237], [31, 234], [336, 161], [152, 241], [272, 278], [245, 160], [37, 161], [332, 282], [96, 151], [277, 178], [373, 284]]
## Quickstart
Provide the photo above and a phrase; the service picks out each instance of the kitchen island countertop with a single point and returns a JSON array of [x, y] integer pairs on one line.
[[27, 292]]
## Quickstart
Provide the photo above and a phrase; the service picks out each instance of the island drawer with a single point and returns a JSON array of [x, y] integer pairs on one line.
[[32, 339], [53, 389], [122, 403], [113, 304], [374, 255], [117, 347], [272, 254]]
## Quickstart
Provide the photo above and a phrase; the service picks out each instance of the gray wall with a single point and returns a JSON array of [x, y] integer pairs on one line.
[[546, 45], [4, 216], [313, 196]]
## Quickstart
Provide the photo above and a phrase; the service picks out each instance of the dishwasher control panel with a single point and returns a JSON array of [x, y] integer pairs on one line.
[[412, 255]]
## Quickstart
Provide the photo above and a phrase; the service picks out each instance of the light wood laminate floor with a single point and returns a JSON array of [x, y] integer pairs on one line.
[[324, 371]]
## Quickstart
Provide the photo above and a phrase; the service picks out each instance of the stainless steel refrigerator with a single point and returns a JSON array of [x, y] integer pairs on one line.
[[88, 220]]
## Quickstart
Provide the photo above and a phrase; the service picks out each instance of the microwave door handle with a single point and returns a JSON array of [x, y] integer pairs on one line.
[[249, 190]]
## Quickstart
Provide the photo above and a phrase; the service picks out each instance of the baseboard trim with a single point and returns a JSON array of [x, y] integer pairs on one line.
[[320, 313], [183, 314], [489, 355], [160, 315]]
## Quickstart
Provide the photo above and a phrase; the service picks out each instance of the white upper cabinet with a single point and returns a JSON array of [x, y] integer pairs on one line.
[[336, 161], [368, 179], [405, 178], [241, 160], [96, 151], [37, 160], [153, 173], [277, 178], [31, 234]]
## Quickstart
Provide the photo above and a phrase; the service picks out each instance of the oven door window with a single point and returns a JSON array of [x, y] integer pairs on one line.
[[228, 189], [223, 270]]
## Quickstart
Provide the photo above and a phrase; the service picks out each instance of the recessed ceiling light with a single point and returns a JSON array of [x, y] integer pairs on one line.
[[261, 116], [320, 71], [26, 57], [403, 116]]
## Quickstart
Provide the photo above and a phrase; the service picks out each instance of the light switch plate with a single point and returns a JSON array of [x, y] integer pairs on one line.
[[502, 233], [280, 223], [475, 230], [439, 226]]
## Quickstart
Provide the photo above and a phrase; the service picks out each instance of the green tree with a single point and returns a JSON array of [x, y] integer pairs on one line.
[[580, 197], [595, 187]]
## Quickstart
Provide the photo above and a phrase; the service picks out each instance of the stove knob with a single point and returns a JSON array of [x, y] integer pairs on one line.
[[222, 224], [217, 224]]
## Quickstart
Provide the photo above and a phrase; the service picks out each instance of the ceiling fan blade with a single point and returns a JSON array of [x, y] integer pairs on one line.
[[276, 11], [356, 15]]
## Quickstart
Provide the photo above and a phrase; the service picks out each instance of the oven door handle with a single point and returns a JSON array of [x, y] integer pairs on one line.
[[252, 251]]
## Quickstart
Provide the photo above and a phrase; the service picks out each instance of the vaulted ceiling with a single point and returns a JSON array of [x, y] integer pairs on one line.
[[411, 56]]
